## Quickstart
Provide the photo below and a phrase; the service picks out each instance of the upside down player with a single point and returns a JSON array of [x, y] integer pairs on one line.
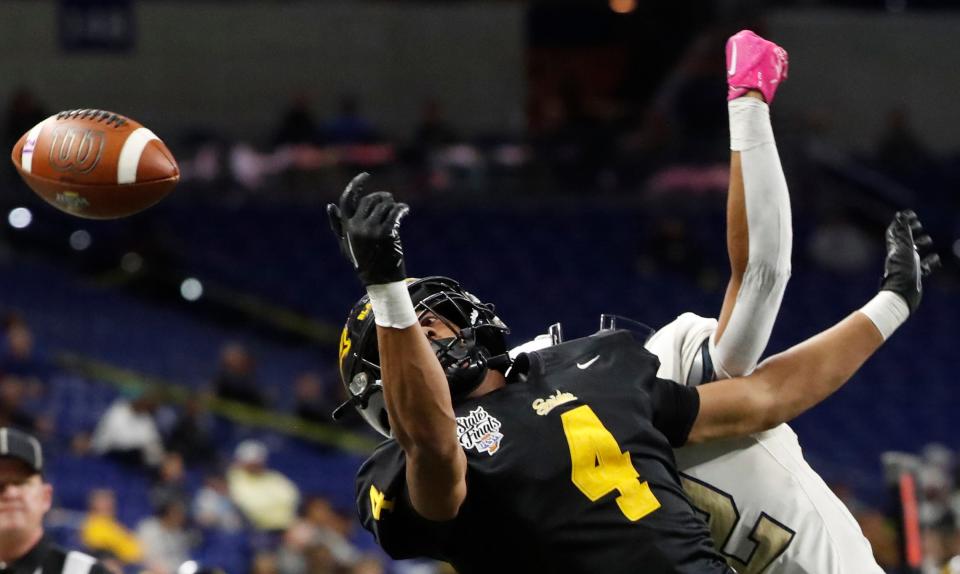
[[767, 509], [666, 539]]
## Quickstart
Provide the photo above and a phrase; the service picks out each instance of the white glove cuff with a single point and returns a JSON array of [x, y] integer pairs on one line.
[[392, 306], [887, 311]]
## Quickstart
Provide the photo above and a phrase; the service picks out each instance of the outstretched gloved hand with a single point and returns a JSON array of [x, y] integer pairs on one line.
[[910, 258], [368, 228]]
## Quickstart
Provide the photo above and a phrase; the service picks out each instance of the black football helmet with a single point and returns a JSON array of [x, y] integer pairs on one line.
[[479, 346]]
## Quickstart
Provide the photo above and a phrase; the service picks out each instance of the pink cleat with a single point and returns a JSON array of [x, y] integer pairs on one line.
[[754, 64]]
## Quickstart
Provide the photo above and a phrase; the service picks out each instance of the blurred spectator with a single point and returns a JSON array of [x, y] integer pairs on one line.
[[328, 528], [669, 247], [572, 139], [882, 536], [16, 397], [80, 444], [191, 435], [310, 400], [876, 528], [291, 556], [235, 380], [900, 148], [939, 509], [939, 456], [939, 546], [212, 507], [128, 433], [267, 498], [698, 98], [319, 560], [164, 539], [297, 124], [18, 354], [433, 131], [840, 246], [349, 126], [320, 526], [432, 149], [101, 531], [368, 565], [688, 107], [264, 563], [170, 485], [936, 486], [12, 412]]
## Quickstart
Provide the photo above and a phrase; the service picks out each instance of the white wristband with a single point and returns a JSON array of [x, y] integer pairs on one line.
[[749, 123], [392, 306], [887, 311]]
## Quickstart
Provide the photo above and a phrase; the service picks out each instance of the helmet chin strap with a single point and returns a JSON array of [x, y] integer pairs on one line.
[[465, 363], [500, 362]]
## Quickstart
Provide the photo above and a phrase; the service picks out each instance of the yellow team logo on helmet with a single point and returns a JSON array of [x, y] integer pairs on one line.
[[366, 311], [345, 342]]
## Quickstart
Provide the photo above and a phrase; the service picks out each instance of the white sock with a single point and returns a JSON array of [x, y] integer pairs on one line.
[[749, 123]]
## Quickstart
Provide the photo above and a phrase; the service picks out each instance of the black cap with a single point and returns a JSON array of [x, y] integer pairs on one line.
[[19, 445]]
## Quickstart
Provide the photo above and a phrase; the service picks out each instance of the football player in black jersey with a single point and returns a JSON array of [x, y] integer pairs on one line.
[[560, 461]]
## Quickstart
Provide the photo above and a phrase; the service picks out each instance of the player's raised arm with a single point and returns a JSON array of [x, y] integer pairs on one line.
[[415, 389], [759, 229], [789, 383]]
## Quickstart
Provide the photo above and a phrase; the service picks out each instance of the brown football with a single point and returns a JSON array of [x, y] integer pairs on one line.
[[95, 164]]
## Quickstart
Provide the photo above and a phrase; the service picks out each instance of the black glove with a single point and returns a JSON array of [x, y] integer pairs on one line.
[[909, 258], [368, 228]]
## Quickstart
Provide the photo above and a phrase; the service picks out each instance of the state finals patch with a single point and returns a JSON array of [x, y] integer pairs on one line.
[[479, 430]]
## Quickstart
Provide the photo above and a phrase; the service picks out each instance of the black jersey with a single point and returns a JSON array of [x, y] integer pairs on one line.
[[570, 470], [48, 558]]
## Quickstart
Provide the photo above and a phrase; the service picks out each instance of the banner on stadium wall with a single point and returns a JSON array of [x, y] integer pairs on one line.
[[96, 25]]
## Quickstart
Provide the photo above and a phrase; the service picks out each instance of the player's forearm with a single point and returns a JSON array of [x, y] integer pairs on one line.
[[786, 384], [423, 421], [797, 379], [416, 392]]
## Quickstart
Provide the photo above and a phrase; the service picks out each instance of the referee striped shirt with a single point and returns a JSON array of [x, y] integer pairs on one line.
[[48, 558]]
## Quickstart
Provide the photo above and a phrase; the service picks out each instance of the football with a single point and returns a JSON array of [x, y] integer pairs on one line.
[[95, 164]]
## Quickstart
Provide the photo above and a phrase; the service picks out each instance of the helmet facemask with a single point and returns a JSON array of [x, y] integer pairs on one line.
[[477, 346]]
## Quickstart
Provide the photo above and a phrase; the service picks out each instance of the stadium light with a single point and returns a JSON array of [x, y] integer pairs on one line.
[[131, 262], [191, 289], [20, 217], [623, 6], [80, 240]]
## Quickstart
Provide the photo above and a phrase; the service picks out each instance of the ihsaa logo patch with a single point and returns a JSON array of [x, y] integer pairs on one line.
[[72, 201], [479, 430]]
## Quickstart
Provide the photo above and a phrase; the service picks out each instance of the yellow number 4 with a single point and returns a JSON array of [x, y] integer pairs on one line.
[[599, 467]]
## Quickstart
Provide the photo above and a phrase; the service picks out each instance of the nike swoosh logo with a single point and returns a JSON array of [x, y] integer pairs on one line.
[[588, 363], [733, 61]]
